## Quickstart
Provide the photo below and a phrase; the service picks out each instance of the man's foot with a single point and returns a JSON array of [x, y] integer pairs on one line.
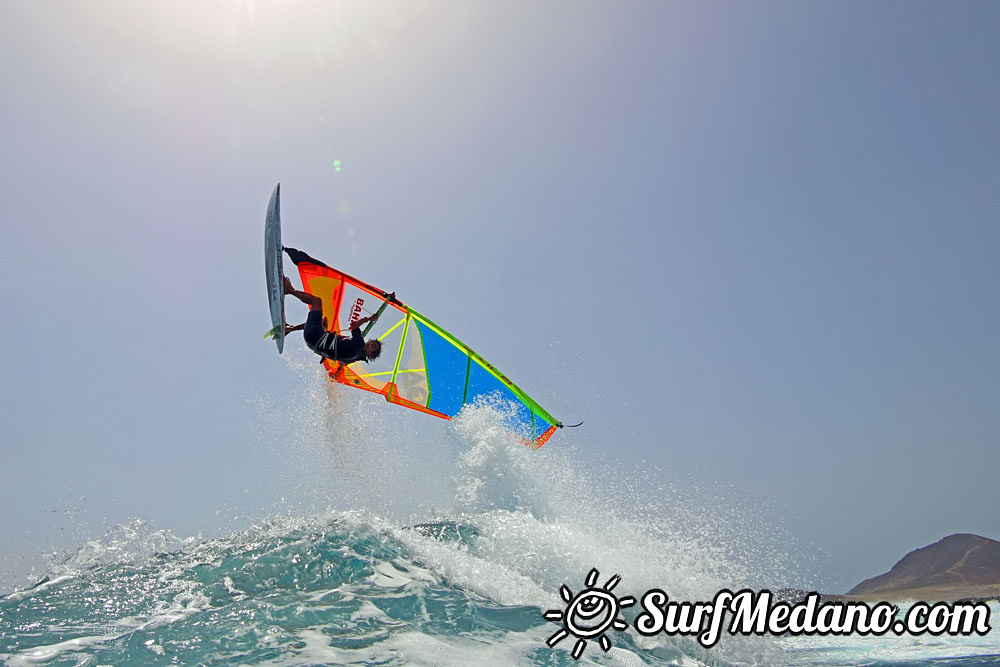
[[297, 257]]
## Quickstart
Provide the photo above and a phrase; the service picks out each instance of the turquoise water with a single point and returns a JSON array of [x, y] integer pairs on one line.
[[342, 590], [454, 566], [348, 590]]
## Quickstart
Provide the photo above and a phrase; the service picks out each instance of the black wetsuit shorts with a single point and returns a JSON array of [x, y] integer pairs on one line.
[[330, 345]]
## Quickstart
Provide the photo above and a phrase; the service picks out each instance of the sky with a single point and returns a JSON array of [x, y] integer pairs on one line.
[[751, 245]]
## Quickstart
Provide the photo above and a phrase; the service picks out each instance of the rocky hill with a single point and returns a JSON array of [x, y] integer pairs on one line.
[[961, 566]]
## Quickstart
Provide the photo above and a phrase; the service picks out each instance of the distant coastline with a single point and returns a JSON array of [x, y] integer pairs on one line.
[[958, 568], [970, 593]]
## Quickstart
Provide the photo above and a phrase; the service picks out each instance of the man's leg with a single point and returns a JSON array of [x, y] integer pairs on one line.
[[311, 300], [298, 256]]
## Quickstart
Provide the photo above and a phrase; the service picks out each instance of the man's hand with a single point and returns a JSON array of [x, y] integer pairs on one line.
[[360, 321]]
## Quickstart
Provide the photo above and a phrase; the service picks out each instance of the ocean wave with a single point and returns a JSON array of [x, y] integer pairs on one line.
[[452, 563]]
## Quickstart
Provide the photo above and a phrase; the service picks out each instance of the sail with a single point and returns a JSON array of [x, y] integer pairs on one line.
[[421, 366]]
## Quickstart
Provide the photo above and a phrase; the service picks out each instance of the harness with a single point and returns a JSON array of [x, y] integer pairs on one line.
[[331, 353]]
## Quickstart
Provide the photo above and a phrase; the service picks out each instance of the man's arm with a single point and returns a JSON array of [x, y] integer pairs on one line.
[[371, 318], [358, 324]]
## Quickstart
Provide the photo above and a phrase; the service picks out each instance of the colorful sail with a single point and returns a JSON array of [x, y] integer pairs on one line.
[[421, 366]]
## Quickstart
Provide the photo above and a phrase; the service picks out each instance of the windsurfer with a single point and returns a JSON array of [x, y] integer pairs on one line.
[[326, 343]]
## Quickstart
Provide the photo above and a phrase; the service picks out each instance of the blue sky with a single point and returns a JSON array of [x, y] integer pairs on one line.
[[753, 245]]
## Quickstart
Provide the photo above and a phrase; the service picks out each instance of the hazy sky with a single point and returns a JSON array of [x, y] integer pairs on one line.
[[752, 244]]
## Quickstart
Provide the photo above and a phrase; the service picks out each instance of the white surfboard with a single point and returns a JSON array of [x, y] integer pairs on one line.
[[273, 268]]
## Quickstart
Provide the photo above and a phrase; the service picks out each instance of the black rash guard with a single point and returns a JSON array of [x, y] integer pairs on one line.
[[331, 346]]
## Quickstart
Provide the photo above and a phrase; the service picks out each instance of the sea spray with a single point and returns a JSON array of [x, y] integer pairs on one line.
[[401, 542], [544, 517]]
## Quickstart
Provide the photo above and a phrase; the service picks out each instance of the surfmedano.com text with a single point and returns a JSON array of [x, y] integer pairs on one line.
[[755, 613]]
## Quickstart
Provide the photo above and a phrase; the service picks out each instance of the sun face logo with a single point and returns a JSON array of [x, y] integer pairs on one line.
[[589, 614]]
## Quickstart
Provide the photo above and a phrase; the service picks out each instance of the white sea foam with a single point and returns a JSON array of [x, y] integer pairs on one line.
[[48, 652], [132, 542], [414, 648], [865, 650]]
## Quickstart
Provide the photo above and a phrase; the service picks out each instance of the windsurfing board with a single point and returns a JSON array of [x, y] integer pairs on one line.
[[273, 268]]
